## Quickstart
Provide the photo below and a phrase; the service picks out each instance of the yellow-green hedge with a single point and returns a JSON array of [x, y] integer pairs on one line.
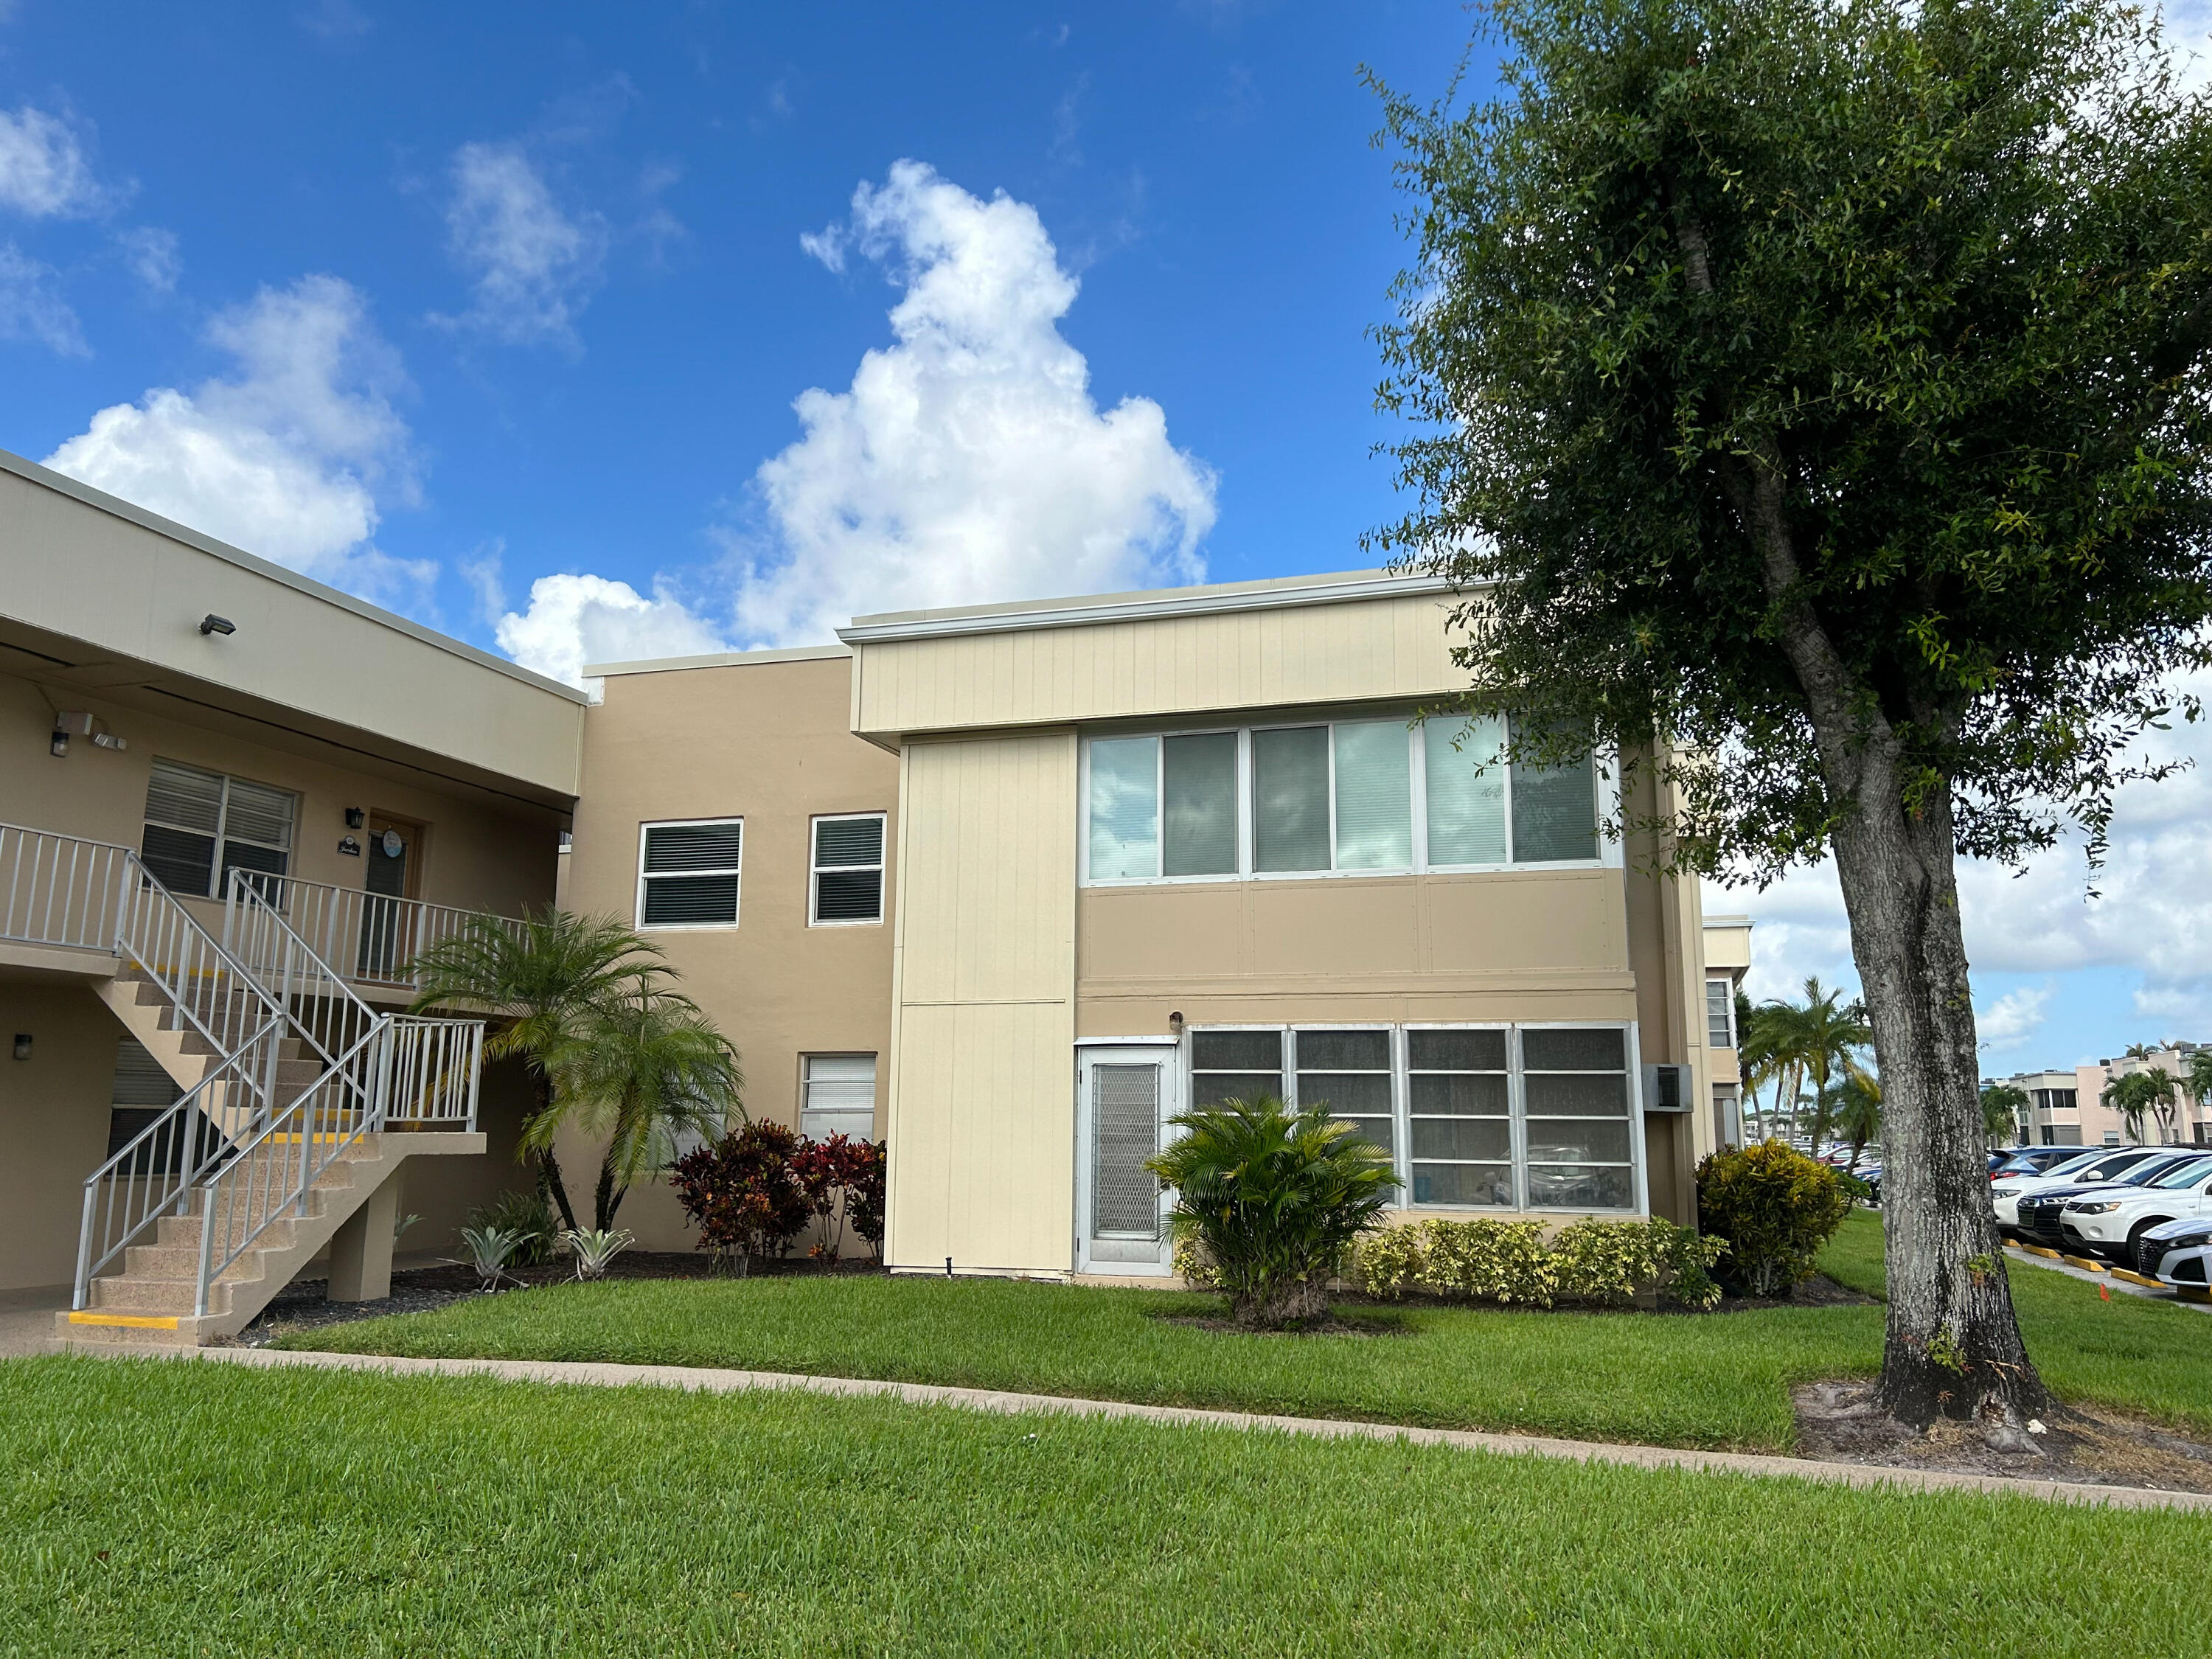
[[1607, 1263]]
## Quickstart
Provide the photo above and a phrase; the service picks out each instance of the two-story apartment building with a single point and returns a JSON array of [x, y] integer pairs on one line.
[[1118, 855], [1007, 886]]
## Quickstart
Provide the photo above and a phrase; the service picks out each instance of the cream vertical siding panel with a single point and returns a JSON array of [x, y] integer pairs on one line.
[[1368, 649], [983, 1147]]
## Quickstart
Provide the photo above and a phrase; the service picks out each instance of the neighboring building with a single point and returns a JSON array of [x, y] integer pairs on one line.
[[172, 708], [2102, 1126], [1728, 960], [2053, 1117], [1007, 886]]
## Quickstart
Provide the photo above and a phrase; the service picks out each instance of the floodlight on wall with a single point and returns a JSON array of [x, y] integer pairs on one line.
[[212, 624], [82, 723]]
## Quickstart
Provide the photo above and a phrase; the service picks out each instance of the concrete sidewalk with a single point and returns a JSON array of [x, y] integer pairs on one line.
[[708, 1381]]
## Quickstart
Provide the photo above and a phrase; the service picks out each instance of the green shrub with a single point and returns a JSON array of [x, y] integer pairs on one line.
[[1192, 1267], [1274, 1199], [1609, 1263], [1775, 1207], [529, 1217]]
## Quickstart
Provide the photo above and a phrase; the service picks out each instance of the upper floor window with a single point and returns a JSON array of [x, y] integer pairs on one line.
[[1326, 798], [687, 872], [848, 882], [201, 825], [1720, 1012]]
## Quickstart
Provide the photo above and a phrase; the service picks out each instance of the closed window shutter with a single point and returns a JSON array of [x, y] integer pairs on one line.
[[1290, 799], [1466, 790], [691, 874], [1374, 797]]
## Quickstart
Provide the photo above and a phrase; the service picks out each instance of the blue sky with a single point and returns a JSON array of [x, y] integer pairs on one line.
[[587, 332]]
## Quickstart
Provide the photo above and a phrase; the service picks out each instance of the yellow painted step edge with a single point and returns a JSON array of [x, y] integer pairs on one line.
[[136, 1322]]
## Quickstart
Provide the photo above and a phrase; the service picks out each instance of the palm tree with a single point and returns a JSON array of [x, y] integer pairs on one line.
[[543, 982], [2196, 1075], [2133, 1095], [1857, 1111], [1817, 1044], [641, 1070], [2004, 1106]]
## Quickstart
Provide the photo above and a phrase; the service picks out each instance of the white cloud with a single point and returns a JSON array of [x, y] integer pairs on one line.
[[534, 266], [2152, 912], [2014, 1017], [290, 457], [2186, 24], [573, 620], [32, 307], [152, 256], [969, 461], [44, 170]]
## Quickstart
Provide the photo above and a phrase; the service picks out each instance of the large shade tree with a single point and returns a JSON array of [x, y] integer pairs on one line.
[[1819, 386]]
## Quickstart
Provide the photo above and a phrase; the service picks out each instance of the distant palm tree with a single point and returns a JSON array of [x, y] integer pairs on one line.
[[1858, 1112], [2197, 1076], [1818, 1043], [2003, 1107], [641, 1070], [543, 982], [2134, 1094]]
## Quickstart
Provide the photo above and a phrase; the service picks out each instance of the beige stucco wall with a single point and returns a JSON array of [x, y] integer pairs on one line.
[[1384, 647], [79, 564], [53, 1121], [983, 1105], [766, 741], [477, 851]]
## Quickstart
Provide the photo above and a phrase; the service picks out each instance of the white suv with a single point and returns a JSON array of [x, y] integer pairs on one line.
[[2113, 1223], [2090, 1170], [2180, 1250]]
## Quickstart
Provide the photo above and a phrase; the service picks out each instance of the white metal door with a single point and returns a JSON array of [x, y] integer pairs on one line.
[[1126, 1095]]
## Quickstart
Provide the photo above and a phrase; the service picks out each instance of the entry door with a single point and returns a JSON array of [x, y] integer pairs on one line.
[[386, 941], [1128, 1095]]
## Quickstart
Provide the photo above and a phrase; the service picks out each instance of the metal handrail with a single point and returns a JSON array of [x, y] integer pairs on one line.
[[436, 1066], [327, 1013], [247, 1195], [370, 938], [134, 1182], [59, 889]]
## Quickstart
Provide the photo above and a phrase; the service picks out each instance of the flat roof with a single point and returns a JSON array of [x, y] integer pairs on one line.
[[598, 671], [1269, 594], [260, 567]]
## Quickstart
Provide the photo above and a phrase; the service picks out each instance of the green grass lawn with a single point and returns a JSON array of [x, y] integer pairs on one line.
[[1719, 1380], [153, 1507]]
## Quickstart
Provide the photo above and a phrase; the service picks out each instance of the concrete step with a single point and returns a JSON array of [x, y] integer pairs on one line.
[[152, 1333], [131, 1295]]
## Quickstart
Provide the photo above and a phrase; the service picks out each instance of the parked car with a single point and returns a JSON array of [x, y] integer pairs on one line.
[[2034, 1160], [2180, 1249], [2091, 1169], [2112, 1223], [2042, 1215]]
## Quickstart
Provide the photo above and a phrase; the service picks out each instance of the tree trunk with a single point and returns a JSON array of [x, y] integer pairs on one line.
[[549, 1167], [606, 1198], [1953, 1346], [1281, 1304]]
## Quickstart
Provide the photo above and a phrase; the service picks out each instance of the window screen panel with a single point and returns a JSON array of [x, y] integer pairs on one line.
[[1198, 775], [1125, 808], [1349, 1071], [1575, 1095], [1235, 1065], [1460, 1119], [1374, 796], [1290, 799], [691, 874], [1467, 791], [1555, 812], [1125, 1116]]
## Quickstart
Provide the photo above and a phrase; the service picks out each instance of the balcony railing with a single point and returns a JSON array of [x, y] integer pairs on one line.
[[370, 938]]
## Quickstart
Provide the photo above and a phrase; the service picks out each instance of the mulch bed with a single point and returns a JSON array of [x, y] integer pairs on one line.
[[305, 1303], [1844, 1423]]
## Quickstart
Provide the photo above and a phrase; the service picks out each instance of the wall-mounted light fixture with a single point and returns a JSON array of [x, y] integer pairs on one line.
[[58, 745], [82, 723], [212, 624], [22, 1045], [1175, 1025], [354, 816]]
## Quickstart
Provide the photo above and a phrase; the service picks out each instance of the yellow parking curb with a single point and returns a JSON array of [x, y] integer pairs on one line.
[[2087, 1264], [2134, 1277], [2038, 1249]]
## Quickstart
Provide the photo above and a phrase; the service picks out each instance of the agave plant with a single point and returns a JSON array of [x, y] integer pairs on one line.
[[489, 1250], [1274, 1199], [595, 1247]]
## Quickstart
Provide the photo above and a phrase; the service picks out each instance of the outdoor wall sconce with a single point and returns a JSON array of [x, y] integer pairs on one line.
[[1175, 1025], [22, 1045], [212, 624], [354, 816]]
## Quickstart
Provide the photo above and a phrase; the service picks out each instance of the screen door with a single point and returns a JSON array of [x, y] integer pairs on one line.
[[1125, 1102]]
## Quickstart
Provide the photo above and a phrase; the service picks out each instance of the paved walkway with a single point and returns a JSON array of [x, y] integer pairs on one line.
[[26, 1318], [707, 1381]]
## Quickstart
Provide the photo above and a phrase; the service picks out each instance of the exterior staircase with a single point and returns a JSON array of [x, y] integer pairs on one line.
[[300, 1101]]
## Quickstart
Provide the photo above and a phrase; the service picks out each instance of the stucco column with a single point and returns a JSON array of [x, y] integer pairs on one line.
[[360, 1250]]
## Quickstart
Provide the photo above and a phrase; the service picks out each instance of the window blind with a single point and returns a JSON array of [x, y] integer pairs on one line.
[[691, 874], [1374, 797], [1198, 779], [848, 869], [192, 813], [1555, 812], [1465, 789], [1290, 799], [839, 1096]]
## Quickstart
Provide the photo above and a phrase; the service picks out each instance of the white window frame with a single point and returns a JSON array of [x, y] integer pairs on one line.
[[736, 911], [1610, 853], [806, 1079], [216, 874], [1403, 1096], [816, 868], [1728, 1010]]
